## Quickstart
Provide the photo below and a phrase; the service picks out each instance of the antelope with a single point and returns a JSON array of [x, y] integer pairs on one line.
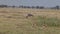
[[29, 15]]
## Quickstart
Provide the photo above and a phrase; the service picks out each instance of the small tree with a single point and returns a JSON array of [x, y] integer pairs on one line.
[[33, 7], [42, 7], [37, 7], [3, 6], [13, 6], [57, 7], [21, 6], [28, 7], [24, 6]]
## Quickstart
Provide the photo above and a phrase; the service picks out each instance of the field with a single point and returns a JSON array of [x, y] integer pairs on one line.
[[44, 21]]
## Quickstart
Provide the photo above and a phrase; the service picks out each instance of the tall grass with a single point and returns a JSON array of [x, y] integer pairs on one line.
[[48, 21]]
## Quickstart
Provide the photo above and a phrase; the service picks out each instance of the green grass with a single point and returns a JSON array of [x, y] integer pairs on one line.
[[52, 22]]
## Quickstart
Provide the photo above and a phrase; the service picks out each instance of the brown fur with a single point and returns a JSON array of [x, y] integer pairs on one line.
[[29, 15]]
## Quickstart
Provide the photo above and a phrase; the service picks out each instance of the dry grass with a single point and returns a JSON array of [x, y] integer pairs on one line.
[[13, 21]]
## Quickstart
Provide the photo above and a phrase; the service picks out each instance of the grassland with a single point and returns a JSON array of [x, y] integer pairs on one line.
[[44, 21]]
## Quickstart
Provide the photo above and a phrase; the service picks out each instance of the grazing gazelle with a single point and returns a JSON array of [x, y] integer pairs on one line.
[[29, 15]]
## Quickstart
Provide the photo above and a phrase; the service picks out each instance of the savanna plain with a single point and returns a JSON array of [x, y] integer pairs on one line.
[[44, 21]]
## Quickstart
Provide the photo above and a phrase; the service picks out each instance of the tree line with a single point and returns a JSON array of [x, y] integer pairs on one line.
[[37, 7]]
